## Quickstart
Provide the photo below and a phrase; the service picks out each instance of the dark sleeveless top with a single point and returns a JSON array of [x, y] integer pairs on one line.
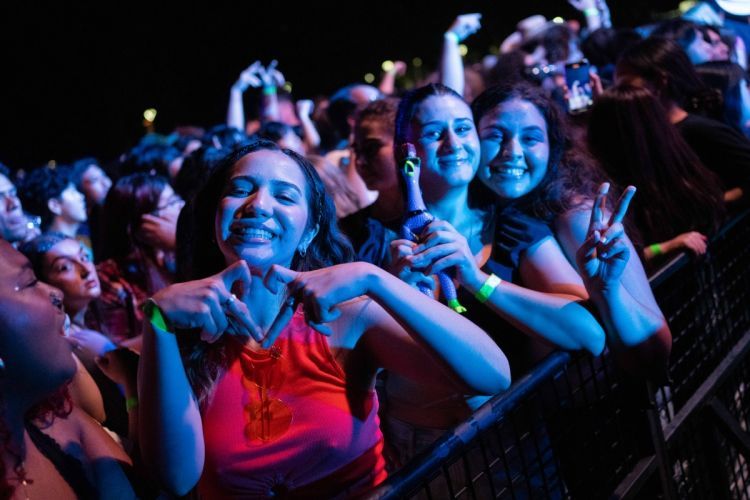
[[69, 467]]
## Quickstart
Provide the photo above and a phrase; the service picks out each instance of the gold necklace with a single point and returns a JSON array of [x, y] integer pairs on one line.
[[22, 478]]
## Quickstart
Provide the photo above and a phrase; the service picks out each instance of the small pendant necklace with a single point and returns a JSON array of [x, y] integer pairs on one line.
[[22, 479]]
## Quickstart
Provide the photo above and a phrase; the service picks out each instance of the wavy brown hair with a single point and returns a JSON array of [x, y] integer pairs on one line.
[[199, 255], [572, 178]]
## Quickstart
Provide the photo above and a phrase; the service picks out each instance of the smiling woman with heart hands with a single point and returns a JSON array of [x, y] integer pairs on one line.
[[263, 387]]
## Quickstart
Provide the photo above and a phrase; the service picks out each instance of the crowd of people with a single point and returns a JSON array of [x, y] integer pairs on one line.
[[242, 312]]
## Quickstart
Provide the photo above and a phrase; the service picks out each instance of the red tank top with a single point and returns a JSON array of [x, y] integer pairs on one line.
[[282, 422]]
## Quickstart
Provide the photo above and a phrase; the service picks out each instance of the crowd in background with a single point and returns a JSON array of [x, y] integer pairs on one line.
[[301, 299]]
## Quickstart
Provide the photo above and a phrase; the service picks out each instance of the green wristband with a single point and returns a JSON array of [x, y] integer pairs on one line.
[[131, 403], [487, 288], [591, 12], [155, 316], [452, 36], [269, 90], [656, 249]]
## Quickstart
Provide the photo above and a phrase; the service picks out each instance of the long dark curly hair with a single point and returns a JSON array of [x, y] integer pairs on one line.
[[199, 255], [572, 177]]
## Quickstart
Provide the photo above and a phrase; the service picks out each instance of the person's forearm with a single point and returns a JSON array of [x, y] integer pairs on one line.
[[734, 194], [663, 248], [466, 349], [131, 404], [562, 321], [593, 19], [309, 133], [451, 64], [236, 110], [171, 434], [388, 83], [629, 324], [269, 105]]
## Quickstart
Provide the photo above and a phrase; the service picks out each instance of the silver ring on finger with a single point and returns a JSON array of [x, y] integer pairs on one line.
[[230, 300]]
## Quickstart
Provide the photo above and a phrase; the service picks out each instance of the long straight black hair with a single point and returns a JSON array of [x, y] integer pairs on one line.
[[630, 135]]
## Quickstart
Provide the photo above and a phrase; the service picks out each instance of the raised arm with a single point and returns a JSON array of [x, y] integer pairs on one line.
[[272, 79], [637, 331], [451, 61], [236, 109], [596, 13], [388, 82], [309, 130]]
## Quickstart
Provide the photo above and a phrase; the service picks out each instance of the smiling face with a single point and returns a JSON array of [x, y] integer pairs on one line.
[[67, 266], [446, 140], [37, 358], [263, 214], [515, 148]]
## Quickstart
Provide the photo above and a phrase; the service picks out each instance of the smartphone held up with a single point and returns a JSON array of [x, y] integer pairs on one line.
[[578, 80]]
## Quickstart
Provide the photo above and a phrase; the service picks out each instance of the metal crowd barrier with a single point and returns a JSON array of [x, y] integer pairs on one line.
[[576, 427]]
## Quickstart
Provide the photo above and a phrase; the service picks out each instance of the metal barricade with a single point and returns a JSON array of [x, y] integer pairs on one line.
[[576, 427]]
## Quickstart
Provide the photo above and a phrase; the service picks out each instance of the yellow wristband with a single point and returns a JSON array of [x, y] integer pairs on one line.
[[487, 288], [656, 249]]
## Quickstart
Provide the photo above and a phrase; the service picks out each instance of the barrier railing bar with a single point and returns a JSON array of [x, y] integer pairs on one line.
[[634, 481], [418, 473], [453, 441], [707, 388], [682, 259], [731, 428]]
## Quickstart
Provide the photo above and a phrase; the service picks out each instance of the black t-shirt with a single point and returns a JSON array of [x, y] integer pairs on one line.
[[369, 236], [720, 148]]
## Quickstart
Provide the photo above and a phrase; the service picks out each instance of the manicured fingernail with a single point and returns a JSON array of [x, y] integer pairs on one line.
[[603, 239]]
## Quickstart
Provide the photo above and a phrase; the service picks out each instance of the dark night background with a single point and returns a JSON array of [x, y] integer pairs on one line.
[[76, 79]]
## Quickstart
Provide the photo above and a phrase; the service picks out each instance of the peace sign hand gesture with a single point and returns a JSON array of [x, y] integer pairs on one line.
[[604, 254]]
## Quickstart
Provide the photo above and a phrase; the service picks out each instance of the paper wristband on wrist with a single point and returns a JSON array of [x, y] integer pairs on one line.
[[452, 36], [656, 249], [154, 314], [483, 294], [131, 403], [269, 90], [590, 12]]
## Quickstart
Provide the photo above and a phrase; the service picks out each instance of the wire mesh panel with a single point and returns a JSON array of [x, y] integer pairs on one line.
[[576, 427], [707, 305], [735, 396]]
